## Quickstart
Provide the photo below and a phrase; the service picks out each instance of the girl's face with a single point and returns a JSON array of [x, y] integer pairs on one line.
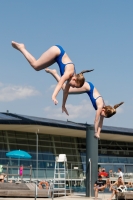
[[103, 112], [73, 82]]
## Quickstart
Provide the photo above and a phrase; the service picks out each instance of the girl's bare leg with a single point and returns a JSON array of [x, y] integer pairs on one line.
[[54, 73], [46, 59], [113, 193]]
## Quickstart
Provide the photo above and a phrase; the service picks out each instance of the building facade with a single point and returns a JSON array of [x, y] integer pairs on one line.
[[44, 139]]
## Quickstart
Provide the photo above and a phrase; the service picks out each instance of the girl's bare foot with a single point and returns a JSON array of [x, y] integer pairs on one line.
[[18, 46], [51, 71], [96, 136]]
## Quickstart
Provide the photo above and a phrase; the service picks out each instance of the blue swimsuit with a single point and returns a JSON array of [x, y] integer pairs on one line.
[[90, 93], [58, 59]]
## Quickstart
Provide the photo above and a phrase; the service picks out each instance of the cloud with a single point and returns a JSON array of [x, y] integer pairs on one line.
[[52, 87], [82, 111], [14, 92]]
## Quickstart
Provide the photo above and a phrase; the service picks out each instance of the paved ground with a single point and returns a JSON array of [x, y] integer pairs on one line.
[[71, 197]]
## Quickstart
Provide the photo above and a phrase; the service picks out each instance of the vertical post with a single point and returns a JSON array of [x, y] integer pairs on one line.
[[36, 164], [71, 178], [37, 154], [91, 160], [30, 172], [7, 172]]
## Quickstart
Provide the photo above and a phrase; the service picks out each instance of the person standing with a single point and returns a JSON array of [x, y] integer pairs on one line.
[[120, 173]]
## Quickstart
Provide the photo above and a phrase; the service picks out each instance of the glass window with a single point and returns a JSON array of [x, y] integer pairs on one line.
[[130, 160], [44, 137], [1, 139], [57, 138], [40, 164], [40, 156], [3, 154], [51, 157], [32, 142], [122, 160], [21, 135], [72, 158], [4, 162], [21, 140], [81, 140], [58, 144], [47, 149], [32, 148], [12, 140], [113, 160], [1, 147], [64, 144], [67, 139], [99, 159], [44, 143], [33, 155], [23, 147], [11, 134], [104, 159], [129, 169], [31, 136], [59, 151], [13, 147], [66, 151], [74, 152]]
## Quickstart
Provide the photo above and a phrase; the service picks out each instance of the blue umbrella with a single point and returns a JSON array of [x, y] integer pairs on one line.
[[18, 154]]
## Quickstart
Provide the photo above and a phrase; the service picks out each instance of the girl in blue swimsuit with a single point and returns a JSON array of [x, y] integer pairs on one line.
[[102, 111], [56, 54]]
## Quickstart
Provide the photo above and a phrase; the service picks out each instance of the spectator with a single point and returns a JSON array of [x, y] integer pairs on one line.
[[99, 186], [120, 173], [21, 170], [43, 184], [103, 173], [129, 185], [111, 174], [115, 185], [108, 184], [99, 170], [1, 168], [2, 176]]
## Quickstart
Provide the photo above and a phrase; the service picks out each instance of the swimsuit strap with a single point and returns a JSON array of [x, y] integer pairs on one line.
[[74, 66], [69, 63], [98, 97], [102, 98]]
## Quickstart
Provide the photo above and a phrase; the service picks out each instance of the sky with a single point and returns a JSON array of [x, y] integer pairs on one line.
[[95, 34]]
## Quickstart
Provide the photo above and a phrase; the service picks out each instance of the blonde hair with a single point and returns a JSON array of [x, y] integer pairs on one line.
[[110, 111], [80, 78]]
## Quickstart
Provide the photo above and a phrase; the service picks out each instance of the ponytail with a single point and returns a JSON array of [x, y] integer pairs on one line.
[[110, 111], [84, 71], [80, 78], [117, 105]]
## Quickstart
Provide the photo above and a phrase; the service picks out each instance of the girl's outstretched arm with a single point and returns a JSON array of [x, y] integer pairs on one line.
[[100, 125], [81, 90], [59, 86], [96, 122], [65, 95]]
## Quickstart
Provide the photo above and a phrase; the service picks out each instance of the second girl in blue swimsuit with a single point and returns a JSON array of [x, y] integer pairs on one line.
[[102, 111], [56, 54]]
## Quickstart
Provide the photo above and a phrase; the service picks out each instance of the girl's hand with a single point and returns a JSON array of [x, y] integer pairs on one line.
[[64, 110], [55, 100]]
